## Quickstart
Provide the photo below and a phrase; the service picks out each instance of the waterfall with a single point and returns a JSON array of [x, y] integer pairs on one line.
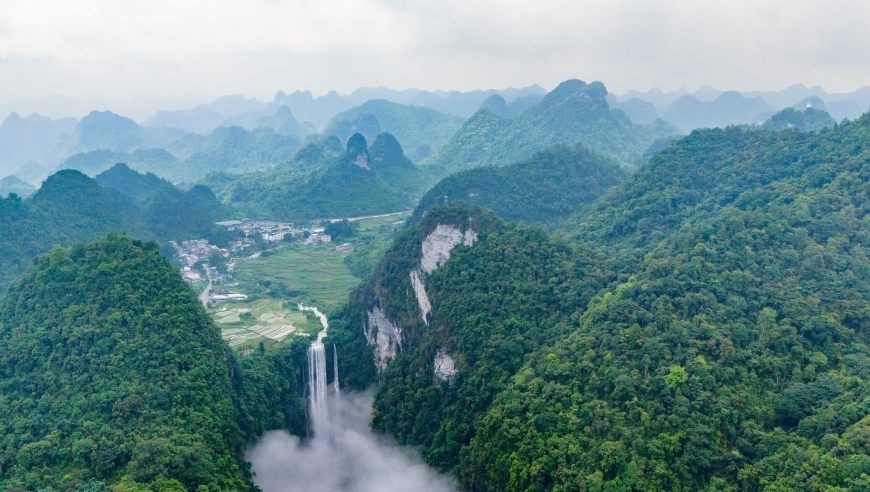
[[318, 408], [318, 413], [335, 369]]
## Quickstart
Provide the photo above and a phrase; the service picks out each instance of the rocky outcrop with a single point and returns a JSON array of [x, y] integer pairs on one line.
[[384, 335], [436, 251], [362, 161], [445, 366], [420, 292], [440, 242]]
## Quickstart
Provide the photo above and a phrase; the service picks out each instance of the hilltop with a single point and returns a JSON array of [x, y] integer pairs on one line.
[[421, 130], [573, 112], [71, 208], [548, 187], [133, 383]]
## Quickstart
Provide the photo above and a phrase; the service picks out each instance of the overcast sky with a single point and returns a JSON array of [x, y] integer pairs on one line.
[[160, 48]]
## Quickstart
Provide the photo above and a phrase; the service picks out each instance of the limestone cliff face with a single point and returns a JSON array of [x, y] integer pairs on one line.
[[392, 312], [385, 336], [439, 243]]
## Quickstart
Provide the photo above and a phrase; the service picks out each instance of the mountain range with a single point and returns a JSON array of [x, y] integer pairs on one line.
[[573, 112], [705, 107]]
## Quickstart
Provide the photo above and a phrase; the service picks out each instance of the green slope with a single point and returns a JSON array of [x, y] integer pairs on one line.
[[573, 112], [71, 207], [706, 328], [68, 208], [163, 211], [548, 187], [809, 119], [112, 371]]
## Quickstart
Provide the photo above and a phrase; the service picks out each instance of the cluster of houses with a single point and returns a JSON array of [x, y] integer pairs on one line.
[[271, 231], [190, 252]]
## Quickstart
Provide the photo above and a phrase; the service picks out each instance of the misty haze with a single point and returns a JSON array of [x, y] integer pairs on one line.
[[351, 458], [469, 245]]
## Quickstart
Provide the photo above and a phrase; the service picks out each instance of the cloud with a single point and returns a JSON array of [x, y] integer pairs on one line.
[[352, 459], [257, 47]]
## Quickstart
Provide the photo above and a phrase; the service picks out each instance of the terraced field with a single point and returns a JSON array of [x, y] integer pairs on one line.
[[266, 320]]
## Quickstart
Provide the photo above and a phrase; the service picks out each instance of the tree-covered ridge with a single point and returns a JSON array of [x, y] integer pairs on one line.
[[68, 208], [712, 169], [419, 129], [724, 348], [326, 180], [573, 112], [161, 210], [736, 357], [112, 371], [546, 188], [808, 120]]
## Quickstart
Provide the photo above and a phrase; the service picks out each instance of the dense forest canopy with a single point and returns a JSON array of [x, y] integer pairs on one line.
[[112, 371], [111, 368], [548, 187], [70, 208], [705, 328]]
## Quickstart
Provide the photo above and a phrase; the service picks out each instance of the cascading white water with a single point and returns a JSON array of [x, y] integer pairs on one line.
[[335, 369], [318, 412], [318, 408]]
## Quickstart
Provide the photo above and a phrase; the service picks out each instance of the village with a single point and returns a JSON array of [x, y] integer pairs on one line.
[[257, 283], [204, 264]]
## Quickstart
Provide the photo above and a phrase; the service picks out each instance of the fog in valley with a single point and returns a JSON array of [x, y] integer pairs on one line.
[[351, 459]]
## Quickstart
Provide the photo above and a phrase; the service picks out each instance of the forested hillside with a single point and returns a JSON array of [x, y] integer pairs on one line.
[[325, 180], [113, 374], [705, 329], [807, 120], [420, 130], [573, 112], [71, 208], [548, 187], [68, 208]]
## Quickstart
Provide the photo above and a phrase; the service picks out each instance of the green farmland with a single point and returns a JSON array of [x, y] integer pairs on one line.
[[313, 275]]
